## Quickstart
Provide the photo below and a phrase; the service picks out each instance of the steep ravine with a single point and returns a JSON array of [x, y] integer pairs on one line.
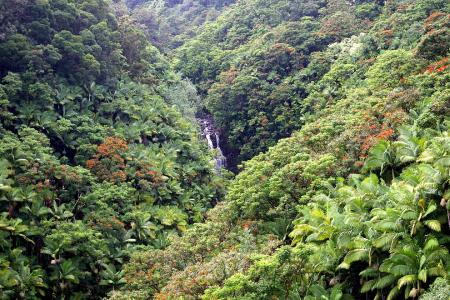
[[210, 133]]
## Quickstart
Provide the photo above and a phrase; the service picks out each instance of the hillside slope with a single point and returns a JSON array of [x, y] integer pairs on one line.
[[252, 65], [355, 203], [169, 24], [94, 161], [335, 115]]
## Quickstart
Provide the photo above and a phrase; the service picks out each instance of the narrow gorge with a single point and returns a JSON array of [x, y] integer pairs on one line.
[[212, 136]]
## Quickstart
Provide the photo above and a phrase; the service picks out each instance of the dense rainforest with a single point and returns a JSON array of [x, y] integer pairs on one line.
[[96, 161], [334, 117]]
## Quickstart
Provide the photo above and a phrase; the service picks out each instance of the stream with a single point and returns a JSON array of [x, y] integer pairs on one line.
[[212, 136]]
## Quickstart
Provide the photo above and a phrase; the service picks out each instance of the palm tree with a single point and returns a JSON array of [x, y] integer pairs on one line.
[[5, 181], [64, 275], [30, 282], [161, 241], [112, 277], [66, 95], [382, 157], [412, 266], [53, 248], [15, 227], [280, 227], [409, 146], [94, 95], [318, 292], [18, 195], [8, 281], [407, 210], [36, 210], [142, 228], [60, 212], [316, 224], [27, 112], [361, 249]]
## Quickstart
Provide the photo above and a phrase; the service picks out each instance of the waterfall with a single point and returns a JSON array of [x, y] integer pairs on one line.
[[208, 138], [220, 158], [208, 131]]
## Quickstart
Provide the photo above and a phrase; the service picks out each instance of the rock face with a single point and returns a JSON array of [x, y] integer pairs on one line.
[[212, 136]]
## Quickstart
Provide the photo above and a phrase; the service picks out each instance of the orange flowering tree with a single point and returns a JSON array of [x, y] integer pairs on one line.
[[109, 162], [437, 38]]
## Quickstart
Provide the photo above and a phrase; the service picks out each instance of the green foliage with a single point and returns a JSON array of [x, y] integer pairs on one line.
[[94, 163], [354, 203], [248, 73], [391, 68], [169, 24], [390, 236], [439, 290], [339, 110]]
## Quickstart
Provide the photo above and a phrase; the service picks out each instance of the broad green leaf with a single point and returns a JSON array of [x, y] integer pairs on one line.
[[406, 280], [433, 224]]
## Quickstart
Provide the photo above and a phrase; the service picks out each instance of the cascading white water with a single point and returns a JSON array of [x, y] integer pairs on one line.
[[220, 158], [207, 131], [208, 138]]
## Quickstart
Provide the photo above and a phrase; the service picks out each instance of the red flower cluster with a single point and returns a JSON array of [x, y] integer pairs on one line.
[[108, 164], [377, 134], [438, 66], [433, 18]]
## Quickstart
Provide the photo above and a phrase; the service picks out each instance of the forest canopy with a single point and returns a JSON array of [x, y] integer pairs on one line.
[[95, 161], [333, 115]]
